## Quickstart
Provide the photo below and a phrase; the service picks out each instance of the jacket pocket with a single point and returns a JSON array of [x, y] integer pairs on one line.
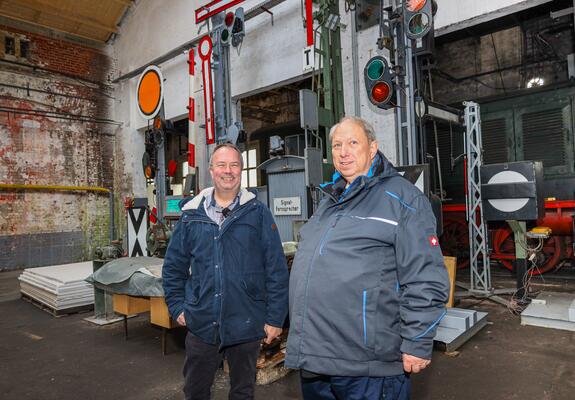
[[369, 299], [193, 291], [254, 287]]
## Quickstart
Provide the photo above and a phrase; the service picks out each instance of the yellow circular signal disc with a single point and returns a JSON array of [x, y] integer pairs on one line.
[[150, 92]]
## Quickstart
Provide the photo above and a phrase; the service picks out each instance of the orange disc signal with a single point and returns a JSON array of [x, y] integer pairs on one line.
[[150, 92]]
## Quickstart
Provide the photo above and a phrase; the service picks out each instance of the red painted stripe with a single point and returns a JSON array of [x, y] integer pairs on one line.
[[309, 22], [192, 155], [454, 208], [213, 9]]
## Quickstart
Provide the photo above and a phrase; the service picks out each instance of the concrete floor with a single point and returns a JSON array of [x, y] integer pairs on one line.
[[47, 358]]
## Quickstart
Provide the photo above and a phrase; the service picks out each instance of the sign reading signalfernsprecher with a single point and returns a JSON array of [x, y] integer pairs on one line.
[[287, 206]]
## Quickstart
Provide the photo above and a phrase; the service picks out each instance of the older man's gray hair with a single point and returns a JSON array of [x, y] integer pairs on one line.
[[229, 146], [365, 126]]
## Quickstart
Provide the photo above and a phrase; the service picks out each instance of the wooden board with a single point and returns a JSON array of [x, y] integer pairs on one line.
[[451, 265], [159, 314], [126, 305]]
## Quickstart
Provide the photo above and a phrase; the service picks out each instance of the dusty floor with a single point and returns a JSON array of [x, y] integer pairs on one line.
[[47, 358]]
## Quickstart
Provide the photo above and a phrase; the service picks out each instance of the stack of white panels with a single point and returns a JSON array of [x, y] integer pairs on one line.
[[59, 287]]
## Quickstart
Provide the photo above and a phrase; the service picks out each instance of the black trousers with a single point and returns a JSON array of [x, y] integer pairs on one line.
[[203, 359]]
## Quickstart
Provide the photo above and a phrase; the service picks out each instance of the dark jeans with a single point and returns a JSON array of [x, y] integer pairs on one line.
[[202, 361], [324, 387]]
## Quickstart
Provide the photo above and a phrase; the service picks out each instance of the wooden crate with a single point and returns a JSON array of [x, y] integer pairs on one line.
[[127, 305], [159, 314], [451, 265]]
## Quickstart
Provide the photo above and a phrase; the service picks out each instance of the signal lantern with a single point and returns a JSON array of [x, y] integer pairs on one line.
[[148, 165], [229, 19], [172, 168], [149, 172], [238, 29], [417, 18], [379, 82], [226, 29], [158, 123], [381, 92]]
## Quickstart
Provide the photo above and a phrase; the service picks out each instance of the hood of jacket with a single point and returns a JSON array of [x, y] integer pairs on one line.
[[193, 203]]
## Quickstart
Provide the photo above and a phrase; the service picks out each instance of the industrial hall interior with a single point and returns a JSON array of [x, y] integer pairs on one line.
[[287, 199]]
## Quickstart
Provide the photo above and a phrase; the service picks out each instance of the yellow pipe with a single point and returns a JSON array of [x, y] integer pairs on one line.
[[54, 187]]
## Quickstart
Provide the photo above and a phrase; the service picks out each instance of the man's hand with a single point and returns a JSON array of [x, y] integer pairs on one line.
[[271, 333], [414, 364], [181, 319]]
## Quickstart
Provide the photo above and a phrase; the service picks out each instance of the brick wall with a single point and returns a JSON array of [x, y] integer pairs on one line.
[[52, 133]]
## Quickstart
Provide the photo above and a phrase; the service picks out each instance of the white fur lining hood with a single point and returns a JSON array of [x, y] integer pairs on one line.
[[193, 204]]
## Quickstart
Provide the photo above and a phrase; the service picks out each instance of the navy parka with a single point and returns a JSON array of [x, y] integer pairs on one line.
[[229, 280]]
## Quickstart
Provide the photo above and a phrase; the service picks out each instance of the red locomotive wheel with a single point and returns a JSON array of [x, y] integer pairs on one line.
[[455, 241], [548, 259]]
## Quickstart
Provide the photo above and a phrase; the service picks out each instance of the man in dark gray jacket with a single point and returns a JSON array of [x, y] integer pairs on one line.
[[368, 285]]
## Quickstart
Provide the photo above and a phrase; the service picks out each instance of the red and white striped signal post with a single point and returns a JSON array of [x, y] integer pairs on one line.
[[192, 117], [205, 50]]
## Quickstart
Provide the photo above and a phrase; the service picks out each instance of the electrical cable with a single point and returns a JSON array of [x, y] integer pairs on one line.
[[518, 303]]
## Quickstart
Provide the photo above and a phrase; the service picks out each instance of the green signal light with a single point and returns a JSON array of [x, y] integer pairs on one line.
[[225, 35], [375, 70]]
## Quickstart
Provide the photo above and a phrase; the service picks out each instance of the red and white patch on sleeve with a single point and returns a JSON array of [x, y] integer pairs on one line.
[[433, 241]]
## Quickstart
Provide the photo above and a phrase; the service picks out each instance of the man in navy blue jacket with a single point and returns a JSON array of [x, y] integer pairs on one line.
[[225, 278]]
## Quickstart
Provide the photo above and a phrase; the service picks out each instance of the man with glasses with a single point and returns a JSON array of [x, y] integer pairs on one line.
[[225, 278]]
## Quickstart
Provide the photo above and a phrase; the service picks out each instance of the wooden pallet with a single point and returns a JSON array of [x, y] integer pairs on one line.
[[54, 312], [272, 369]]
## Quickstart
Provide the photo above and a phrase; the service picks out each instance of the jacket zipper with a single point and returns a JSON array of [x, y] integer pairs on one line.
[[364, 304], [324, 237]]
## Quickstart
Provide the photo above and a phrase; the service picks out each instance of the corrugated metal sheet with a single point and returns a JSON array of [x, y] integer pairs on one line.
[[544, 137], [494, 143]]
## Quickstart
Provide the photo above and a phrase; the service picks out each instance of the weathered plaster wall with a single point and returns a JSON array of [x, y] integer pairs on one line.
[[50, 227]]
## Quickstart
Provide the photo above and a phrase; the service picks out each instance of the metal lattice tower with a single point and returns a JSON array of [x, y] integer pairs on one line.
[[478, 256]]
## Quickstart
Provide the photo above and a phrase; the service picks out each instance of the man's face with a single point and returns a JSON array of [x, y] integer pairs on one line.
[[352, 154], [226, 170]]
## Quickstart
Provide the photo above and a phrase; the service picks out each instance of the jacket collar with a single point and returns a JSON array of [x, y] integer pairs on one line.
[[194, 202], [381, 168]]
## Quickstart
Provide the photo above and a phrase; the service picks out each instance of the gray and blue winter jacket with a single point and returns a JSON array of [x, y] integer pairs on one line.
[[229, 280], [368, 282]]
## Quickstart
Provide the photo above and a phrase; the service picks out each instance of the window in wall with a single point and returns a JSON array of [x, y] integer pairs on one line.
[[250, 173], [9, 45], [24, 48], [295, 145]]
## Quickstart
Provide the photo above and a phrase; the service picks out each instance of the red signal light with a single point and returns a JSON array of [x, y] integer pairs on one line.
[[229, 19], [158, 123], [381, 92], [172, 167], [415, 5], [149, 172]]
